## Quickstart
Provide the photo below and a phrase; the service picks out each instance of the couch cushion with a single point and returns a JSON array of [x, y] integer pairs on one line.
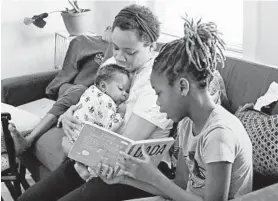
[[246, 81], [269, 193], [23, 120], [38, 107], [48, 148]]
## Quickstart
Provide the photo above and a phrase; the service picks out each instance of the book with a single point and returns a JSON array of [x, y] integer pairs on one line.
[[96, 144]]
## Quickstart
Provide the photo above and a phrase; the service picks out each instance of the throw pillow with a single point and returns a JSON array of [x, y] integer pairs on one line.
[[263, 132]]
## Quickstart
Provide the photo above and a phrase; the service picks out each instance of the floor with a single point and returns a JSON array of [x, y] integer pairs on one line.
[[5, 192]]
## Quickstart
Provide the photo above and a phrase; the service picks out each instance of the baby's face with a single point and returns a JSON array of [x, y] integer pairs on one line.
[[118, 88]]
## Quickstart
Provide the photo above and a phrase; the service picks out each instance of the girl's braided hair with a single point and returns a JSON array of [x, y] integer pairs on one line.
[[196, 54]]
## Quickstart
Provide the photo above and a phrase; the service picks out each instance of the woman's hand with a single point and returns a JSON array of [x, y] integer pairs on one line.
[[107, 174], [71, 125], [66, 144], [140, 169]]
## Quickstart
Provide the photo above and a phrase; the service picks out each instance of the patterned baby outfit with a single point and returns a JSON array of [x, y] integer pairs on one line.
[[98, 108]]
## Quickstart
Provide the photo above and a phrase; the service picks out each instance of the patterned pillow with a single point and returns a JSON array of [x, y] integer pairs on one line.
[[263, 132]]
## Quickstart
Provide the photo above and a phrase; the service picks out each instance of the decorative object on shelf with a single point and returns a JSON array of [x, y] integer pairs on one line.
[[76, 20]]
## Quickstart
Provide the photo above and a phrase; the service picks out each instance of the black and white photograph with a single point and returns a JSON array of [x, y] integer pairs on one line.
[[139, 100]]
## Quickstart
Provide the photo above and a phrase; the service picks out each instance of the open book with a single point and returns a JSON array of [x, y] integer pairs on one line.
[[96, 144]]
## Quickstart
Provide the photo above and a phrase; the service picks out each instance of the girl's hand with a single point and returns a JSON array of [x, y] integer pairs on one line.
[[71, 125], [106, 173], [82, 170], [140, 169]]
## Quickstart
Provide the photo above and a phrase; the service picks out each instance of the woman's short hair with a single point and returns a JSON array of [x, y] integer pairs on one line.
[[197, 54], [129, 22], [106, 73]]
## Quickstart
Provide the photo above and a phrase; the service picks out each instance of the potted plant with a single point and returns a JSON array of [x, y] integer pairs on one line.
[[76, 19]]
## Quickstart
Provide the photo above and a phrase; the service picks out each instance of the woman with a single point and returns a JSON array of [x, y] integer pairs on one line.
[[134, 32], [215, 158]]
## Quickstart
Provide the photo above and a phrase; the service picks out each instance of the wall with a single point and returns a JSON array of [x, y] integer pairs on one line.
[[28, 49], [260, 31]]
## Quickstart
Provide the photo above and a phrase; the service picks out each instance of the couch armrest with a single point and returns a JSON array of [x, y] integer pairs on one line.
[[267, 193], [23, 89]]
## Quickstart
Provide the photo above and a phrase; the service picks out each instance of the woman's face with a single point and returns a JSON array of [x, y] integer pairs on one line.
[[128, 50], [169, 98]]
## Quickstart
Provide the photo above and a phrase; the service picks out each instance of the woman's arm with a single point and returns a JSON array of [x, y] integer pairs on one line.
[[70, 124], [138, 128]]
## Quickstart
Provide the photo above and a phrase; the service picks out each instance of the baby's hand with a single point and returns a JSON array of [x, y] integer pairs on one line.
[[122, 109], [117, 122]]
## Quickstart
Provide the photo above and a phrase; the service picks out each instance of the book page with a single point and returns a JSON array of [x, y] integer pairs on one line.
[[95, 145]]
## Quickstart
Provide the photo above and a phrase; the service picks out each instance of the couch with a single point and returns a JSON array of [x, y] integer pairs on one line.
[[245, 82]]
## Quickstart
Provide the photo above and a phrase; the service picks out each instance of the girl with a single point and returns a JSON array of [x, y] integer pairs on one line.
[[215, 157]]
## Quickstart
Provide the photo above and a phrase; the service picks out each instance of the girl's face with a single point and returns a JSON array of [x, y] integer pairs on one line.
[[169, 98], [128, 50]]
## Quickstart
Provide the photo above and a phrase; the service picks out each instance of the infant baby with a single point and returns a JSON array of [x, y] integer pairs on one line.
[[102, 103]]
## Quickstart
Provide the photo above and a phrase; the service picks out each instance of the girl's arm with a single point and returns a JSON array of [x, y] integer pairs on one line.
[[218, 180], [216, 187], [182, 172], [218, 177]]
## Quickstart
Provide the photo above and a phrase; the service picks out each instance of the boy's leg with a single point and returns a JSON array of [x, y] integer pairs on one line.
[[60, 182], [21, 143], [96, 189], [69, 96]]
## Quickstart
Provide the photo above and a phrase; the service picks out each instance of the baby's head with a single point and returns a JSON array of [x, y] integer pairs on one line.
[[114, 81]]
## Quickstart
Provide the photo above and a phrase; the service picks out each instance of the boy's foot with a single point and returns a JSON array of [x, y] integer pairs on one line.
[[20, 143]]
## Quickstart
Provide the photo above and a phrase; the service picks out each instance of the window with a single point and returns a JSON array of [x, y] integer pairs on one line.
[[228, 15]]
